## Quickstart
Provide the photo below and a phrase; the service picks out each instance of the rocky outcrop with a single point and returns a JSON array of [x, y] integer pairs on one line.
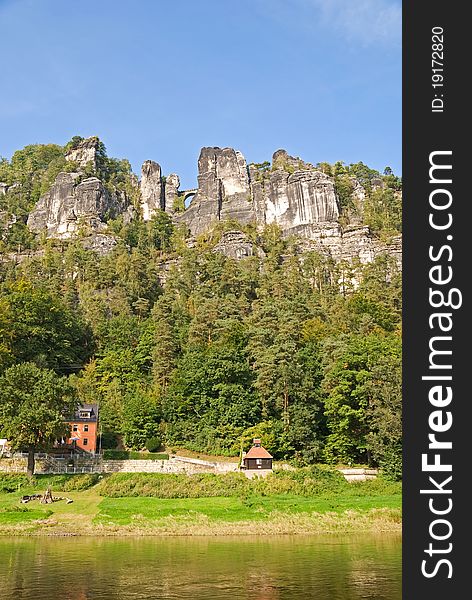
[[298, 197], [301, 199], [72, 204], [292, 194], [151, 188], [100, 243], [282, 160], [235, 244], [157, 192], [129, 215], [353, 244], [224, 191], [84, 153], [171, 192]]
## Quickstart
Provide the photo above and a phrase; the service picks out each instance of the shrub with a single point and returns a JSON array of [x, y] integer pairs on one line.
[[153, 444], [108, 440], [309, 481], [116, 454], [131, 455], [59, 483], [81, 482], [159, 485], [392, 464], [11, 483]]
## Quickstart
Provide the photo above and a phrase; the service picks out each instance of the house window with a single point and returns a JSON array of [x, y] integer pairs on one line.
[[259, 462], [84, 414], [75, 428], [85, 441], [85, 427]]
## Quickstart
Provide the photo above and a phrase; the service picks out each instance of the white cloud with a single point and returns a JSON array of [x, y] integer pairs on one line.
[[368, 21], [364, 22]]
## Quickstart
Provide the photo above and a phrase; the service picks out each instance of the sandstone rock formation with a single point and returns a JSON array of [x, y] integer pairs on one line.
[[353, 244], [229, 190], [72, 203], [223, 190], [282, 160], [299, 200], [157, 192], [289, 192], [84, 152], [100, 243], [235, 244], [171, 192], [296, 196], [151, 188]]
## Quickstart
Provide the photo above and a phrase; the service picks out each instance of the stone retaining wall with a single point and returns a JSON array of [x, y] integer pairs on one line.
[[173, 465], [359, 474], [13, 465], [82, 465]]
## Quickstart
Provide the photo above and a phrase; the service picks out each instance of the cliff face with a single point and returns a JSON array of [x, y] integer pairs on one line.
[[296, 200], [77, 202], [229, 190], [296, 196], [223, 191], [157, 192], [84, 153], [152, 189], [291, 193], [72, 203]]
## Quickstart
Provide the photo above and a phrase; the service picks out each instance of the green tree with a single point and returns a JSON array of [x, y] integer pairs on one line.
[[42, 329], [363, 174], [344, 188], [307, 430], [33, 170], [348, 385], [6, 335], [161, 231], [165, 348], [141, 418], [272, 435], [383, 211], [33, 405], [385, 415], [210, 398]]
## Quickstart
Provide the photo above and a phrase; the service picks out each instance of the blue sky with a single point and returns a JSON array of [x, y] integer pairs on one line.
[[159, 79]]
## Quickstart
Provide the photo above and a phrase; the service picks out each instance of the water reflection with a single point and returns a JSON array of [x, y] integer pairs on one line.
[[262, 568]]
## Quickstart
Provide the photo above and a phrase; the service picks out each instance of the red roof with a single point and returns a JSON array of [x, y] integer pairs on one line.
[[258, 452]]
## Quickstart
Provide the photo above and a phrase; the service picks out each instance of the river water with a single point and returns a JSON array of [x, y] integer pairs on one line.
[[205, 568]]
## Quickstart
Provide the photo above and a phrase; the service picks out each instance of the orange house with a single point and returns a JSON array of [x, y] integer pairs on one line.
[[84, 428]]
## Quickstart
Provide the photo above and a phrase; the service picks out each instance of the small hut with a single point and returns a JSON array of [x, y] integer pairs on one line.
[[257, 458]]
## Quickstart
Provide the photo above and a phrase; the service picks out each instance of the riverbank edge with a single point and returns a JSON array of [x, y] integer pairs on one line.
[[379, 520]]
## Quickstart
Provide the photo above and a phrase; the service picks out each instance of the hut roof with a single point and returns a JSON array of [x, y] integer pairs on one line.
[[258, 452]]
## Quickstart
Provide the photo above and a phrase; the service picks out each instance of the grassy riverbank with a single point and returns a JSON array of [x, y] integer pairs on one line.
[[304, 501]]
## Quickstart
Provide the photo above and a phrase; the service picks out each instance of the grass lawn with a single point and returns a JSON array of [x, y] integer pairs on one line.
[[90, 510], [124, 511], [81, 510], [369, 506]]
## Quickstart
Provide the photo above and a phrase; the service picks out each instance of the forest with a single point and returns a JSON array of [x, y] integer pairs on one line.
[[184, 347]]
